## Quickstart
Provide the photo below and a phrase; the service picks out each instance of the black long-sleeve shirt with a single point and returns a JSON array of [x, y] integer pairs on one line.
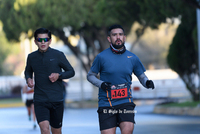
[[42, 64]]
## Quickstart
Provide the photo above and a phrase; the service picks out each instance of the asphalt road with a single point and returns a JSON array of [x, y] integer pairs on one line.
[[85, 121]]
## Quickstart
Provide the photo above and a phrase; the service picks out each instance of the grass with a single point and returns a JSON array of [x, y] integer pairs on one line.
[[18, 102], [10, 100], [182, 104]]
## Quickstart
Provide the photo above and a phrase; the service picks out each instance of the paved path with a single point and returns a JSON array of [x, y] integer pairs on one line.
[[85, 121]]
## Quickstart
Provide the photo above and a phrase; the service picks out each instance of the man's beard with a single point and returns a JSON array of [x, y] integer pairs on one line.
[[118, 46]]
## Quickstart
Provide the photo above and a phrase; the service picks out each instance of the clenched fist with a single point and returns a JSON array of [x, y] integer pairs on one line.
[[54, 77]]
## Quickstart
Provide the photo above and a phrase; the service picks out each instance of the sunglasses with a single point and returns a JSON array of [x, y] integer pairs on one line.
[[43, 39]]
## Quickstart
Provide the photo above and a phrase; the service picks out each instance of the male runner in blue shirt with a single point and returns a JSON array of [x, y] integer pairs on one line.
[[47, 64], [116, 65]]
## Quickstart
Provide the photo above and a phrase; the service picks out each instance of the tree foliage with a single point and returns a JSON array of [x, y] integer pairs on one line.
[[183, 52], [4, 51], [91, 18], [88, 18]]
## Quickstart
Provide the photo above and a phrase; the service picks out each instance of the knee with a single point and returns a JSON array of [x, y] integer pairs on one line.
[[56, 130], [45, 130], [127, 131]]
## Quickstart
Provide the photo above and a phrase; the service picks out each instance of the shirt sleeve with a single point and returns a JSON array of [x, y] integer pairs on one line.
[[28, 69], [93, 72], [92, 78], [138, 67], [143, 79], [66, 66], [96, 65]]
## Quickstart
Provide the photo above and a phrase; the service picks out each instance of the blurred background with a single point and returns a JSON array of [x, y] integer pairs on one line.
[[162, 33]]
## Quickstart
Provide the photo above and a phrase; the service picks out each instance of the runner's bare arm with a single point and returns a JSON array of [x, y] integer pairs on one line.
[[25, 89]]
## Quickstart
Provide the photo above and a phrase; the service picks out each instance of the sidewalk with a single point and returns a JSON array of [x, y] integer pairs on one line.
[[4, 103], [192, 111], [17, 102], [85, 121], [158, 109]]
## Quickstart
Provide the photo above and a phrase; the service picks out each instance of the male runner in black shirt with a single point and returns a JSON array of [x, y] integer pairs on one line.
[[47, 65]]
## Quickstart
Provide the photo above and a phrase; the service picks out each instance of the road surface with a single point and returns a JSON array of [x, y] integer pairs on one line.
[[85, 121]]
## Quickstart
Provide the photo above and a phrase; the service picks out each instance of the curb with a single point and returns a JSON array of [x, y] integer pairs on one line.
[[68, 105], [192, 111], [81, 105], [8, 105]]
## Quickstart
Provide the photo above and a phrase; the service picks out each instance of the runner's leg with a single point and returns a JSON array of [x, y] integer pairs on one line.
[[126, 127], [42, 112], [34, 118], [56, 117], [29, 111], [28, 106], [33, 111], [109, 131], [44, 127], [56, 130]]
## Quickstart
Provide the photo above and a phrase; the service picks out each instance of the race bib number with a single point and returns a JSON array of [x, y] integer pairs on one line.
[[119, 91]]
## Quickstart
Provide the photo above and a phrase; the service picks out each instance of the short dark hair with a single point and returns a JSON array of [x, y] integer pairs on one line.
[[114, 27], [42, 31]]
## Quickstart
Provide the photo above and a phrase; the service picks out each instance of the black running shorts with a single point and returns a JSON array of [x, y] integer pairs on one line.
[[110, 117], [51, 111], [29, 102]]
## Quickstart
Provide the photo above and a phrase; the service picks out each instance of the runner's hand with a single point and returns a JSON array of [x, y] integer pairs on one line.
[[106, 86], [150, 84], [30, 82], [54, 77]]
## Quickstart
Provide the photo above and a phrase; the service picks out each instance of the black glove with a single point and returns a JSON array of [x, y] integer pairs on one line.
[[106, 86], [150, 84]]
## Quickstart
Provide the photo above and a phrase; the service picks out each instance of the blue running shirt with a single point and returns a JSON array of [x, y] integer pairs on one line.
[[116, 69]]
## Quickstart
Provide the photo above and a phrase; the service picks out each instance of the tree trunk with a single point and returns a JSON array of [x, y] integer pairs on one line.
[[190, 84]]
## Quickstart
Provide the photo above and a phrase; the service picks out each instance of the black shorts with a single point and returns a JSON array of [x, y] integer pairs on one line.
[[51, 111], [110, 117], [29, 102]]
